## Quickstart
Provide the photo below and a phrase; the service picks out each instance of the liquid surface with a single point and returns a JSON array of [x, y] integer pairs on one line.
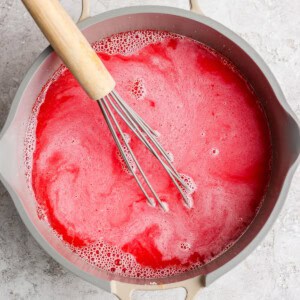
[[207, 116]]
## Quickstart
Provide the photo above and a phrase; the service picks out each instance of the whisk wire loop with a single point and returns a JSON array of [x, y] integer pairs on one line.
[[148, 136]]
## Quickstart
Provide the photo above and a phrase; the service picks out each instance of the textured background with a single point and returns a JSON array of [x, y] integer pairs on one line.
[[272, 272]]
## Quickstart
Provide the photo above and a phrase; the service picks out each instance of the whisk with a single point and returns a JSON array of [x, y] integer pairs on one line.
[[77, 54]]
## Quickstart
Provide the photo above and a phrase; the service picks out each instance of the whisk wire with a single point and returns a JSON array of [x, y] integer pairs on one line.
[[110, 118]]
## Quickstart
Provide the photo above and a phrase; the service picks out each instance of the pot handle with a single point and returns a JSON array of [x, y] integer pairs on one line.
[[86, 9], [124, 290], [195, 7]]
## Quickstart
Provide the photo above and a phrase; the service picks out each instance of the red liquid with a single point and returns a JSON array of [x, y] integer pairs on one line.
[[209, 119]]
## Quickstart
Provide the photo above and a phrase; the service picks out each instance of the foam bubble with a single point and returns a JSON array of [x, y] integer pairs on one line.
[[170, 156], [214, 151], [185, 246], [137, 89]]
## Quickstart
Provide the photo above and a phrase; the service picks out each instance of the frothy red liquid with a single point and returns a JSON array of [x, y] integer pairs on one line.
[[210, 120]]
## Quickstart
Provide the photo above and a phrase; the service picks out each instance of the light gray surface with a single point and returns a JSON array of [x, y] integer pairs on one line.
[[272, 27]]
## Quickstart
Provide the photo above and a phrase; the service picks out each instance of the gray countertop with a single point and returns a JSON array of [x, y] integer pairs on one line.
[[272, 271]]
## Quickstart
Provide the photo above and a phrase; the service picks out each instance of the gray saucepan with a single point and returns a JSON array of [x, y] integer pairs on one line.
[[284, 127]]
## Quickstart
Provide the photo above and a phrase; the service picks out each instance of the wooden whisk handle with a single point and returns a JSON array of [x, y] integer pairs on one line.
[[71, 46]]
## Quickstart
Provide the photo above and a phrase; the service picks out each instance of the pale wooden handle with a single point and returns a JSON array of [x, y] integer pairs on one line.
[[85, 11], [71, 46], [195, 7]]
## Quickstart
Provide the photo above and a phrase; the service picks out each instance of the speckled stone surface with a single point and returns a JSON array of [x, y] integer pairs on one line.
[[272, 271]]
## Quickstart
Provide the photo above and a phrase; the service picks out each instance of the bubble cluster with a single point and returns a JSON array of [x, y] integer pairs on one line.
[[128, 156], [30, 136], [127, 43], [185, 246], [111, 259], [226, 248], [189, 182], [189, 188], [41, 213], [137, 89]]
